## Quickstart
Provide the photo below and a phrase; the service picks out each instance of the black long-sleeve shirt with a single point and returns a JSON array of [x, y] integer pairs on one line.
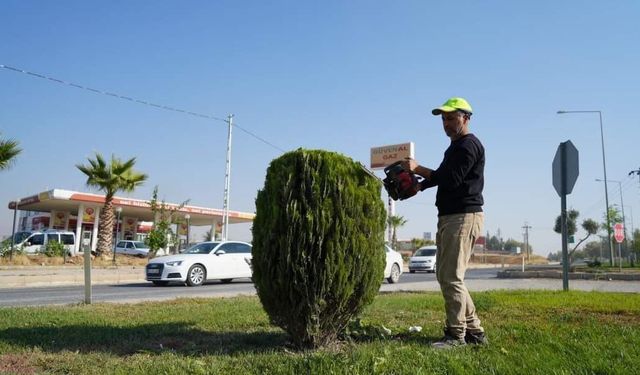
[[460, 177]]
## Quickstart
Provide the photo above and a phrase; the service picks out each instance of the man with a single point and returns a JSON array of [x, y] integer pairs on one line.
[[460, 179]]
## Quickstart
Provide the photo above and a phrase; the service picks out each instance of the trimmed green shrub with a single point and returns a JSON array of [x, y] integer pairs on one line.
[[318, 244], [54, 249]]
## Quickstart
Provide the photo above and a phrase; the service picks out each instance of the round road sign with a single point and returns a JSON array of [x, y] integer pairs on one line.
[[618, 232]]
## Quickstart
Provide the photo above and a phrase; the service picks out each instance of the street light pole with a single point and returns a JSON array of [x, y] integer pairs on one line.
[[604, 168], [187, 217], [13, 229]]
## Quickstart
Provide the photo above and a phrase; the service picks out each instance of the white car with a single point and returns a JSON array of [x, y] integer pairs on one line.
[[394, 266], [36, 242], [424, 259], [226, 260], [137, 248]]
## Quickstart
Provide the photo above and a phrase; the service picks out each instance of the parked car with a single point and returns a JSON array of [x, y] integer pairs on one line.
[[219, 260], [424, 259], [394, 266], [136, 248], [36, 242]]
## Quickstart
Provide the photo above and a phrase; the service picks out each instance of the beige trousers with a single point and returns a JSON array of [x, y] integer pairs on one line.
[[455, 239]]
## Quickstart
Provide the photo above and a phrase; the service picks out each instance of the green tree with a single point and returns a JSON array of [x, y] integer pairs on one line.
[[614, 217], [635, 245], [318, 244], [572, 228], [417, 243], [493, 243], [395, 222], [554, 257], [208, 236], [110, 178], [590, 226], [8, 151], [593, 249], [161, 234]]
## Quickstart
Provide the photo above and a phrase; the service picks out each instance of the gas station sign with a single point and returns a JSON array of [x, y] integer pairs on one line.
[[384, 156]]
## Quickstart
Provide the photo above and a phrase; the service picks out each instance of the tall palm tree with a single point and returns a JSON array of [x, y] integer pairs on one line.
[[395, 222], [8, 151], [110, 178]]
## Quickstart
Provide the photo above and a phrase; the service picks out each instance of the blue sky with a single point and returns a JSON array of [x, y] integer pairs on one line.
[[337, 75]]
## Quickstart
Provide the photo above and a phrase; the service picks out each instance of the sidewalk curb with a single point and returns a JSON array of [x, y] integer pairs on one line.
[[555, 274], [49, 276]]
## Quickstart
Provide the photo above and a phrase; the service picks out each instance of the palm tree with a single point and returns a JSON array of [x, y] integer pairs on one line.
[[8, 151], [110, 178], [395, 222]]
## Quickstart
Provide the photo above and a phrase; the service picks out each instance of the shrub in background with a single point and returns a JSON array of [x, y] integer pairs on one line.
[[318, 244], [54, 249]]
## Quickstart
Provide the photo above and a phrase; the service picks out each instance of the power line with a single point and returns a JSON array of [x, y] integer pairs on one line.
[[625, 186], [139, 101]]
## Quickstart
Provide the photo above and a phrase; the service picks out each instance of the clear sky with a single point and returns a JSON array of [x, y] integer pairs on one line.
[[336, 75]]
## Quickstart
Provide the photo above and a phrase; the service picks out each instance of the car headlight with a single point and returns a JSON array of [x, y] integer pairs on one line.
[[174, 263]]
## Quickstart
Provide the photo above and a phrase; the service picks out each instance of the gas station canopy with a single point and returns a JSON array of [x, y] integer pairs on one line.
[[72, 201]]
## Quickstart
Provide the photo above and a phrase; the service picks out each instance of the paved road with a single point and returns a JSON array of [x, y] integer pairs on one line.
[[477, 280]]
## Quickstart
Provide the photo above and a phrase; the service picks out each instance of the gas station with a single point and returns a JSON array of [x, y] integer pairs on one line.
[[79, 212]]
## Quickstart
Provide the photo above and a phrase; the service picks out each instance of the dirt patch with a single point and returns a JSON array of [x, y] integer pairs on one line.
[[16, 364]]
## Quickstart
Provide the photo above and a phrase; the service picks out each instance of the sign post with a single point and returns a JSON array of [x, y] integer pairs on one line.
[[384, 156], [618, 229], [565, 173]]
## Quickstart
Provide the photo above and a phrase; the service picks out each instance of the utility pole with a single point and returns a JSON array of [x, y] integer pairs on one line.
[[392, 212], [227, 183], [624, 222], [526, 228], [633, 238]]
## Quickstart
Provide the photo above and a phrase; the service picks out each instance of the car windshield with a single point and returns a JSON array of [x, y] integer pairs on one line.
[[425, 253], [140, 245], [201, 248], [20, 236]]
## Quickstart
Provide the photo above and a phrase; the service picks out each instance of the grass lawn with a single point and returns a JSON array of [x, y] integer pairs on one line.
[[530, 332]]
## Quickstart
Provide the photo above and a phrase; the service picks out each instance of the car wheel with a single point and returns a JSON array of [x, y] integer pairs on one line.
[[196, 275], [395, 274], [160, 282], [226, 281], [412, 271]]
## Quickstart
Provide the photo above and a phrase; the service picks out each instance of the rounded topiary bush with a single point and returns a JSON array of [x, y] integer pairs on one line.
[[318, 243]]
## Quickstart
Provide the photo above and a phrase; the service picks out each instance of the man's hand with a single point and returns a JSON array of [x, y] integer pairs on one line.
[[409, 164]]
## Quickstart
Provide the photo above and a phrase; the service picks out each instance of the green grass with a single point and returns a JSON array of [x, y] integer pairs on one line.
[[530, 333]]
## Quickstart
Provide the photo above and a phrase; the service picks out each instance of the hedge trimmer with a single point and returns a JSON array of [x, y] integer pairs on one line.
[[399, 183]]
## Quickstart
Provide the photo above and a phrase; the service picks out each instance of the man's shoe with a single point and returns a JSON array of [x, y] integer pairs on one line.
[[448, 342], [476, 338]]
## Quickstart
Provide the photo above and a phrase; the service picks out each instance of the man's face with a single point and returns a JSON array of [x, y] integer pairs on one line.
[[455, 124]]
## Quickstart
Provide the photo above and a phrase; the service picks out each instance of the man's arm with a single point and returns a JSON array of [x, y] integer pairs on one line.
[[413, 166]]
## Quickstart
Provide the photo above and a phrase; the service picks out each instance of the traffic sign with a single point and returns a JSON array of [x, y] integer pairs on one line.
[[565, 173], [565, 168], [618, 234]]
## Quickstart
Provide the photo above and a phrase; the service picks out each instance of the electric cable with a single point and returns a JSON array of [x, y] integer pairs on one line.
[[139, 101]]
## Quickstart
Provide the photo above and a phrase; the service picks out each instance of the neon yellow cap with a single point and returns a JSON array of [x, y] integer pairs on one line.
[[451, 105]]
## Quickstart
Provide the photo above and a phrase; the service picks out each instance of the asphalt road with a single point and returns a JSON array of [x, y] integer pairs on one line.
[[476, 280]]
